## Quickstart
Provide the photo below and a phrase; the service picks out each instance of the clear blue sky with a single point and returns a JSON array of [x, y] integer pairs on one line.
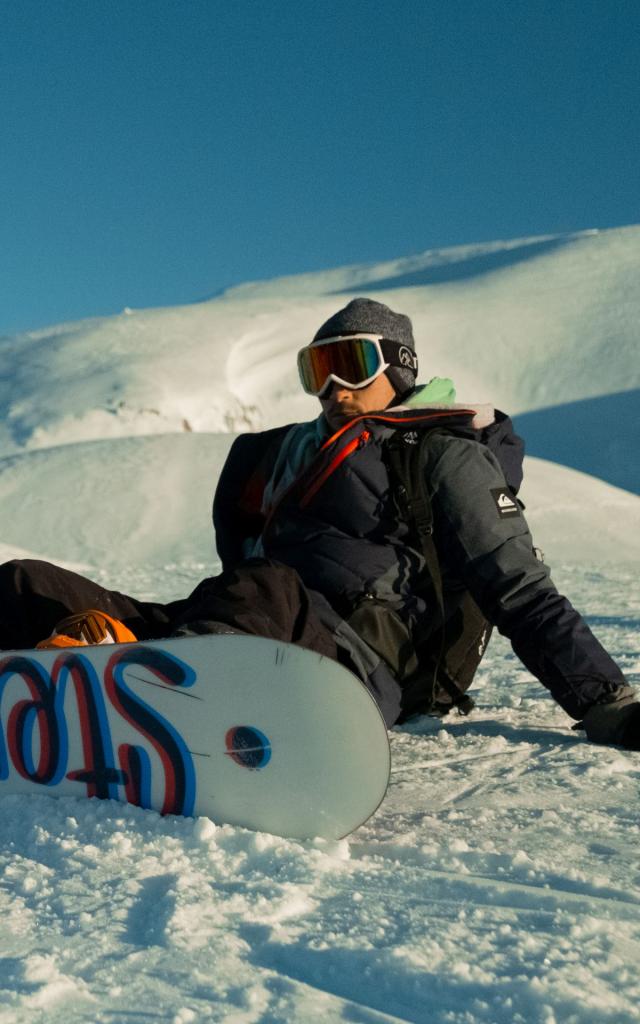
[[153, 152]]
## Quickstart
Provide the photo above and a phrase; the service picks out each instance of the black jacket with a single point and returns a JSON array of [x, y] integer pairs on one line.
[[336, 523]]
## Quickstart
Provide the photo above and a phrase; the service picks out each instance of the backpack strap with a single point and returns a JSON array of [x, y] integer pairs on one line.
[[405, 460]]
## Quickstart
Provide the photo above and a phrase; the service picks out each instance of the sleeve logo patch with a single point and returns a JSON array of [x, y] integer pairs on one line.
[[505, 502]]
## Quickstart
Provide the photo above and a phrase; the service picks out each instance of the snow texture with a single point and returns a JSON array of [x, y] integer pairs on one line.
[[499, 882]]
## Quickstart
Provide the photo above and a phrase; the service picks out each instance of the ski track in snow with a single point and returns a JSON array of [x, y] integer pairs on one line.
[[499, 882]]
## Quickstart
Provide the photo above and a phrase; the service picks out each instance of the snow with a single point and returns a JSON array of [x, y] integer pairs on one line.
[[523, 324], [498, 883], [579, 434]]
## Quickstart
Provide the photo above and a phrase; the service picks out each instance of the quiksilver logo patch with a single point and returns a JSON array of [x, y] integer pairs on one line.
[[505, 502], [410, 437]]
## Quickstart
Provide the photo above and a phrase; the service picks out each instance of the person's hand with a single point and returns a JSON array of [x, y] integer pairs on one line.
[[631, 738], [617, 723]]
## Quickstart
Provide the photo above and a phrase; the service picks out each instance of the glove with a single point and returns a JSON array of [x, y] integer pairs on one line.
[[631, 737], [617, 723]]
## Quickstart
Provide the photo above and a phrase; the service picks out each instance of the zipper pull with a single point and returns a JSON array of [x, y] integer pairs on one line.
[[363, 438]]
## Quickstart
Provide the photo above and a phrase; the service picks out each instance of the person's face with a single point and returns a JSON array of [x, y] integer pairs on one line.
[[341, 404]]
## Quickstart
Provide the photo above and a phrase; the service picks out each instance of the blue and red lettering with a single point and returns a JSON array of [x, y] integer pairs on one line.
[[99, 773], [176, 760], [27, 715], [40, 724]]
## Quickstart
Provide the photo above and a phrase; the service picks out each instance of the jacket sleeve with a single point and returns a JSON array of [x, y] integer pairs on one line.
[[484, 541], [237, 502]]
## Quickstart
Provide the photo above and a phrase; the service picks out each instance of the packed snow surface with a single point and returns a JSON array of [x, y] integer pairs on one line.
[[499, 882]]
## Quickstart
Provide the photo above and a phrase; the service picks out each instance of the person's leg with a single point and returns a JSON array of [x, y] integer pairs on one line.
[[36, 595], [258, 597], [269, 599]]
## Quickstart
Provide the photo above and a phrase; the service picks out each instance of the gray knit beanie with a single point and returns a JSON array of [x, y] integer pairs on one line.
[[365, 316]]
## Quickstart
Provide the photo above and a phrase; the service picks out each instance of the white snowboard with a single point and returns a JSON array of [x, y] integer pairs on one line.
[[244, 730]]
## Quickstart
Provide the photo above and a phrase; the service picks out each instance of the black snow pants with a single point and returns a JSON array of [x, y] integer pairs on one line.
[[258, 597]]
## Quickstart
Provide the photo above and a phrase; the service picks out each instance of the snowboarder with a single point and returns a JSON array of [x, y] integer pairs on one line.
[[329, 539]]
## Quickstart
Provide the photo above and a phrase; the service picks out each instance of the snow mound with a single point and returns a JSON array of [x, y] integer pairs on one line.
[[113, 502], [575, 518]]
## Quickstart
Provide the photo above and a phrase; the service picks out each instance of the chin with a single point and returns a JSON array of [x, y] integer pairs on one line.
[[344, 415]]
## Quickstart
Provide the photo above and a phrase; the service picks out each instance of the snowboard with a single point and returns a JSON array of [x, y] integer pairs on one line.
[[244, 730]]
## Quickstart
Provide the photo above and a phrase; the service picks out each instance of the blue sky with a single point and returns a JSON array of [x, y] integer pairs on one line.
[[157, 151]]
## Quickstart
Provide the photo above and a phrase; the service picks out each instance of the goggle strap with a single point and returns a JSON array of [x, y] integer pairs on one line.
[[397, 354]]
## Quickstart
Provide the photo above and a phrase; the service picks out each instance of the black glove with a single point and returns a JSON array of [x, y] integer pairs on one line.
[[616, 723], [631, 735]]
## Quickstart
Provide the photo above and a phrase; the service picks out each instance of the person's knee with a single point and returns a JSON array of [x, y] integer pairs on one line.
[[11, 570], [17, 571], [19, 567]]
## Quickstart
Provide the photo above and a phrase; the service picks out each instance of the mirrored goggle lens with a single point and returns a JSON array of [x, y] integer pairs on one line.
[[353, 360]]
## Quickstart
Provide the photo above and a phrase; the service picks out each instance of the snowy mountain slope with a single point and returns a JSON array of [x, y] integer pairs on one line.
[[113, 502], [577, 519], [525, 324]]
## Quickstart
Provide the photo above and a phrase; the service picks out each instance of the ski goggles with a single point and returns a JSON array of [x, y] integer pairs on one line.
[[353, 360]]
